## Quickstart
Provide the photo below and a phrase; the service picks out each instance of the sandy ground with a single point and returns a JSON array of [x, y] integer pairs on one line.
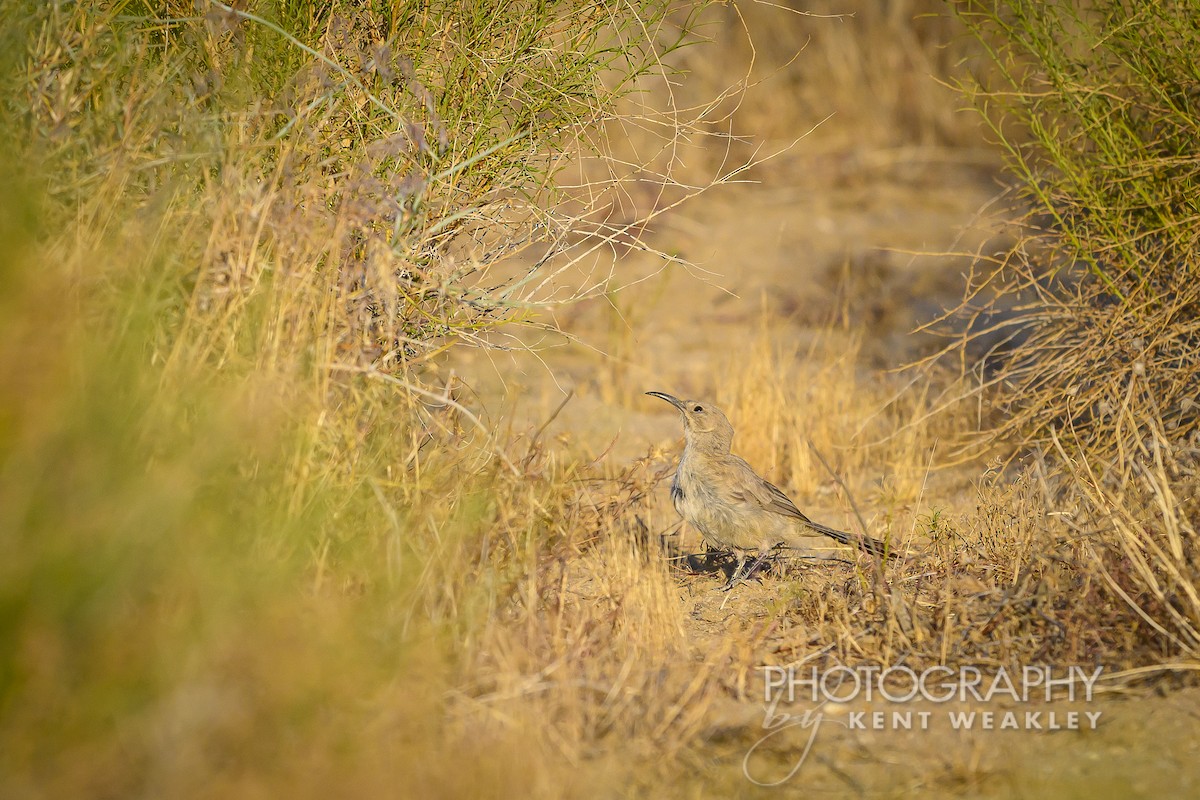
[[820, 242], [1138, 747], [827, 240]]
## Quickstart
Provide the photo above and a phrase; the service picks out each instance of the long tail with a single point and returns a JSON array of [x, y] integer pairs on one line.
[[862, 542]]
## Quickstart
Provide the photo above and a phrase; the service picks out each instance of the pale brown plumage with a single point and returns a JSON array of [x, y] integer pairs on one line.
[[731, 506]]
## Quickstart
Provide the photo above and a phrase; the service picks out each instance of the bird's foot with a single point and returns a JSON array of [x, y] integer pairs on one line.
[[742, 574], [737, 577], [758, 564]]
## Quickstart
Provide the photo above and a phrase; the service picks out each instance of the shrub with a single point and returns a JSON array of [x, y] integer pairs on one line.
[[1097, 110]]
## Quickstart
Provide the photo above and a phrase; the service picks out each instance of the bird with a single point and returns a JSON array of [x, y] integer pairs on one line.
[[732, 507]]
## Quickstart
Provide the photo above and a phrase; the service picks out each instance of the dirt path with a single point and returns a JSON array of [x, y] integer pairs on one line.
[[824, 243], [1140, 746]]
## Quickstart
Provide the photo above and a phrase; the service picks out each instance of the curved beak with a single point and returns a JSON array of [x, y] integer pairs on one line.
[[675, 401]]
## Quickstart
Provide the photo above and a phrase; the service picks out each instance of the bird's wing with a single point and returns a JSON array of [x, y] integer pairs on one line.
[[773, 499], [758, 492], [748, 487]]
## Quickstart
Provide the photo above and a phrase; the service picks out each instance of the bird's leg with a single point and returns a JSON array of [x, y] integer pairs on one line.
[[736, 577], [758, 562]]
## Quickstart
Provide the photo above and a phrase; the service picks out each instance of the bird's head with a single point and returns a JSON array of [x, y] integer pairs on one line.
[[705, 425]]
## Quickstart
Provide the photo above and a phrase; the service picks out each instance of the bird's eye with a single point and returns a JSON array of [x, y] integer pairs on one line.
[[698, 409]]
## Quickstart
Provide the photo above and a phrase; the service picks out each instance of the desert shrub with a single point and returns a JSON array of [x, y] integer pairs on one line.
[[392, 157], [1097, 111]]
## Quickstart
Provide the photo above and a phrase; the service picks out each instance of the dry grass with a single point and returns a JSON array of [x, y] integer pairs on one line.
[[1095, 307], [248, 547], [868, 80], [611, 640], [799, 406]]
